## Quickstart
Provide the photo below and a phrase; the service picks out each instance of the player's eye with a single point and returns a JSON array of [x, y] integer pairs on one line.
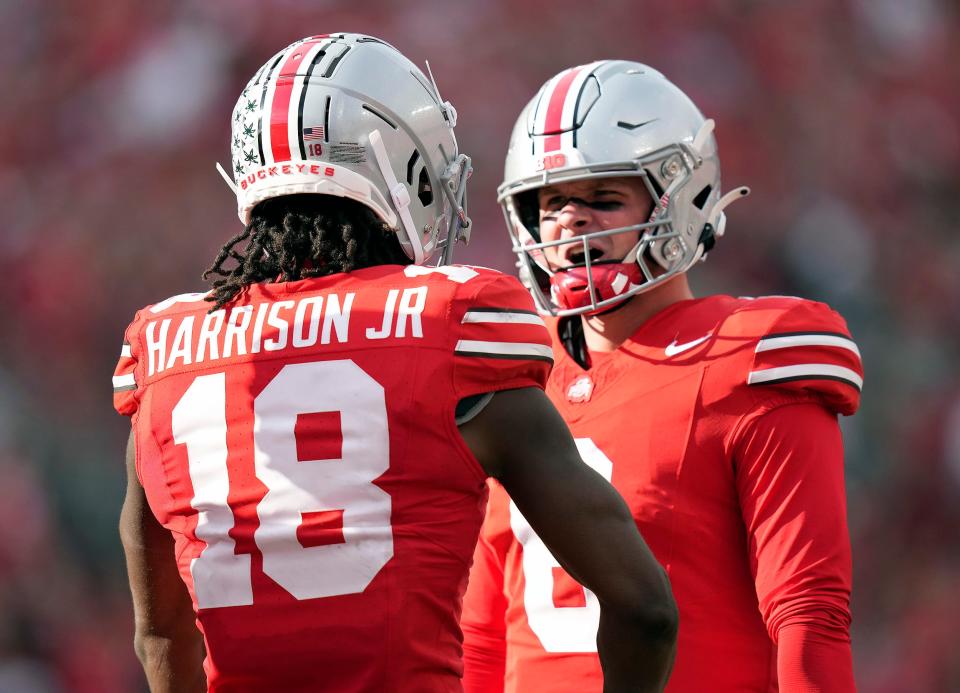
[[606, 205], [550, 210], [554, 205]]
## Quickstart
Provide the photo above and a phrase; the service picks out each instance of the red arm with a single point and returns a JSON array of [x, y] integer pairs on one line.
[[789, 466]]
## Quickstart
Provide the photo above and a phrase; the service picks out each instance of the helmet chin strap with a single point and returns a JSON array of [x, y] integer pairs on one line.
[[399, 195]]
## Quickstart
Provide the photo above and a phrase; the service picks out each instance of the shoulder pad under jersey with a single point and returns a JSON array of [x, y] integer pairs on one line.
[[501, 341], [807, 348]]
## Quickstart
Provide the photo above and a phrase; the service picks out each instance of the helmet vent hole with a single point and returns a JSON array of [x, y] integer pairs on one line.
[[410, 165], [701, 199], [424, 189], [332, 67], [326, 120], [380, 116]]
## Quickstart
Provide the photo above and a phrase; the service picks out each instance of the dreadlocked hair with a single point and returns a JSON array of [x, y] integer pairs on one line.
[[299, 236]]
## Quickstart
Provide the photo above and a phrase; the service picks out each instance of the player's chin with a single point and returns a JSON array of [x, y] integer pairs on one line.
[[558, 265]]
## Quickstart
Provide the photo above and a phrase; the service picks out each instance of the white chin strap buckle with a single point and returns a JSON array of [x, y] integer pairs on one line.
[[400, 195]]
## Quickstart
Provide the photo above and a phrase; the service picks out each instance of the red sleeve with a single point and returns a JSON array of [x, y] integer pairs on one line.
[[484, 619], [789, 466], [502, 342], [125, 385], [808, 351]]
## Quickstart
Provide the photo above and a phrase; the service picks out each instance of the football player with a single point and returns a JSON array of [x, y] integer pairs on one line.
[[311, 438], [715, 417]]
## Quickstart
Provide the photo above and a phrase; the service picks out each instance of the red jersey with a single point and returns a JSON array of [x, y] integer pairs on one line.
[[300, 445], [716, 421]]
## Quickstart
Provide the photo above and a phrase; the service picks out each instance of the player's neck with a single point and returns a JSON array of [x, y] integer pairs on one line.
[[608, 331]]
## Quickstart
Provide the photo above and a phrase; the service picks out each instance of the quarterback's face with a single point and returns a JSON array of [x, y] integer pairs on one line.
[[569, 210]]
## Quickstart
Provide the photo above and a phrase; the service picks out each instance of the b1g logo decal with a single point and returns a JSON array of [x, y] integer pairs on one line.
[[549, 161]]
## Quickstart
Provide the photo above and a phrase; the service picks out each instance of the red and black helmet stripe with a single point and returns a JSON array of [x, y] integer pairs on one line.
[[263, 101], [303, 98], [558, 107]]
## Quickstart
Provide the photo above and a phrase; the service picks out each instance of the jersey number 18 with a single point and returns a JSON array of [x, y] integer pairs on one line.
[[222, 577]]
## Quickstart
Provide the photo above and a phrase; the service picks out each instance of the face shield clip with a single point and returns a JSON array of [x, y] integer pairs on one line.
[[446, 108]]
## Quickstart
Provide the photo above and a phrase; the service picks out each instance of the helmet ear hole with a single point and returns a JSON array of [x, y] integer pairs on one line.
[[424, 189], [528, 210], [410, 164]]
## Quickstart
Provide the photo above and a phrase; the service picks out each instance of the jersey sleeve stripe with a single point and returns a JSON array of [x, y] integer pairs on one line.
[[811, 371], [805, 339], [504, 350], [125, 351], [124, 382], [502, 315], [488, 309]]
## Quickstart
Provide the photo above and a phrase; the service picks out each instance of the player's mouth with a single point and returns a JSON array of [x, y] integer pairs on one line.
[[576, 257]]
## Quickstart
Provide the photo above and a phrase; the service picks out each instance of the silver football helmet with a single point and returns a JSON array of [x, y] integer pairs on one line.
[[614, 118], [348, 115]]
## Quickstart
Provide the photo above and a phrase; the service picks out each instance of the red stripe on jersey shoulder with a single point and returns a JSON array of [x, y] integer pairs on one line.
[[501, 342], [518, 331], [807, 347], [125, 386]]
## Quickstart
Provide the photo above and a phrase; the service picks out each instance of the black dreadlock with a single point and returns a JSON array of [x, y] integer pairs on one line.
[[298, 236]]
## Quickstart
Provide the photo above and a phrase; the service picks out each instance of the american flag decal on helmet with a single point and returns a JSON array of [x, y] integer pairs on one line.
[[313, 133]]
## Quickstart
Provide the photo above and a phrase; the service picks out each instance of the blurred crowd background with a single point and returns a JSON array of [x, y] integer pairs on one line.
[[842, 115]]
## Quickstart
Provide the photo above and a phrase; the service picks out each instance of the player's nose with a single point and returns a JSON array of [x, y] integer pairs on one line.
[[574, 217]]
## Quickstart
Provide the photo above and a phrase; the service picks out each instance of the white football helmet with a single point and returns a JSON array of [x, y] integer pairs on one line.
[[348, 115], [613, 118]]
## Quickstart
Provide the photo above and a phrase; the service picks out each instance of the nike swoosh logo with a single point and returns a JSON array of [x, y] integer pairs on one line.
[[633, 126], [673, 348]]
